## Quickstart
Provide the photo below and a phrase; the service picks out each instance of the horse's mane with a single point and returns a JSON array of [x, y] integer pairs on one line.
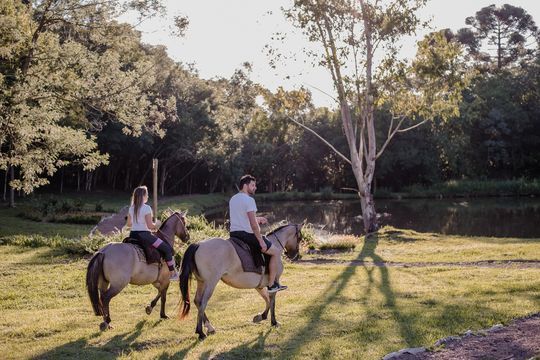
[[167, 219], [279, 228]]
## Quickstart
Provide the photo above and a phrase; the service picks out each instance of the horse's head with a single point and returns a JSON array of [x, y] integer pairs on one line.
[[175, 224], [289, 237]]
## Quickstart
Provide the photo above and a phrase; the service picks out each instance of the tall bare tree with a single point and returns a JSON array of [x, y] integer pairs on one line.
[[359, 46]]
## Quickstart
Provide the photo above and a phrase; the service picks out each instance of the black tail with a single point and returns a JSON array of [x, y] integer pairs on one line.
[[94, 270], [186, 269]]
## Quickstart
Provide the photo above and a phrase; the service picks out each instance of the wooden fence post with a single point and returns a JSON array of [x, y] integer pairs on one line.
[[155, 186]]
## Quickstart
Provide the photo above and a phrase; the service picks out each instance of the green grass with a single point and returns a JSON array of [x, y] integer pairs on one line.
[[329, 311], [475, 188], [396, 245]]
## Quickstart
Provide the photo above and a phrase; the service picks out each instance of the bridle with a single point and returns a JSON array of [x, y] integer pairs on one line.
[[181, 221], [298, 236]]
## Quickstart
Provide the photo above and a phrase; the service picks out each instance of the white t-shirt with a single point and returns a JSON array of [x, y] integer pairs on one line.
[[139, 224], [239, 205]]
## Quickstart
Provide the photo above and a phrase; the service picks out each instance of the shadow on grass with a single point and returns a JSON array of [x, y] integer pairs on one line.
[[118, 345], [255, 348], [406, 324], [332, 294]]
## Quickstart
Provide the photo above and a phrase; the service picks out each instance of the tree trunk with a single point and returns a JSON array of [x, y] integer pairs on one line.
[[4, 198], [62, 181], [163, 179], [11, 189], [369, 214]]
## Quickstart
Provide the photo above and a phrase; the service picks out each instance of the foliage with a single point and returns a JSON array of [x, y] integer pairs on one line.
[[340, 242], [500, 36], [69, 68], [83, 246]]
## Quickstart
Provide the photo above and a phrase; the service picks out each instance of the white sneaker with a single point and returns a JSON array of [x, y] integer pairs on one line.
[[174, 277]]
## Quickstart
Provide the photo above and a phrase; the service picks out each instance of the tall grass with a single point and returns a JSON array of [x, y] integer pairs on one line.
[[476, 188]]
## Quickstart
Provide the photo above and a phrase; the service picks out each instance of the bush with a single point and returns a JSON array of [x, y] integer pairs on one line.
[[326, 193], [99, 206], [82, 219], [82, 246], [340, 242]]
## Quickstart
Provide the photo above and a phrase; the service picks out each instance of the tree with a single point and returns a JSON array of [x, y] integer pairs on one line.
[[350, 33], [509, 29], [68, 68]]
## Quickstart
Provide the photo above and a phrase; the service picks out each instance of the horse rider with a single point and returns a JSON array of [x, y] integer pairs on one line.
[[245, 226], [140, 221]]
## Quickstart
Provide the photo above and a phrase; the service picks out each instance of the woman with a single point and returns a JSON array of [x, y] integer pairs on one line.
[[140, 221]]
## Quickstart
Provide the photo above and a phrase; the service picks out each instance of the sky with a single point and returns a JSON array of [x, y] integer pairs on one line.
[[222, 35]]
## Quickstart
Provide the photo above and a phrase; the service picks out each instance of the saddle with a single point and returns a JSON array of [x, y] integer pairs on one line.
[[152, 255], [250, 261]]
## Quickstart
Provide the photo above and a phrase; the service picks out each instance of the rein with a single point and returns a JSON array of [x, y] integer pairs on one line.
[[163, 225], [298, 239]]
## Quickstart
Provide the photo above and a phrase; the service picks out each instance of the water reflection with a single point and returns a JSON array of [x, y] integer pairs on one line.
[[499, 217]]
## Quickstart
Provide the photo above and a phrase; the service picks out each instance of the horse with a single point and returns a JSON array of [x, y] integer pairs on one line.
[[117, 264], [216, 259]]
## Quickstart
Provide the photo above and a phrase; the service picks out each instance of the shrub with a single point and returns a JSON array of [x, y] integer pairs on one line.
[[99, 206], [326, 193], [340, 242]]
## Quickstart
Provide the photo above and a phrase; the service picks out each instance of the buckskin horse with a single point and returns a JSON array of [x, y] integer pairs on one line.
[[117, 264], [216, 259]]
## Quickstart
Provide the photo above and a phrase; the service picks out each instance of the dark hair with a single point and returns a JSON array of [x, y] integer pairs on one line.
[[137, 200], [246, 179]]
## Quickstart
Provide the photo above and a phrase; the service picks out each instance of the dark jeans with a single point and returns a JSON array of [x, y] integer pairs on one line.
[[148, 239], [250, 239]]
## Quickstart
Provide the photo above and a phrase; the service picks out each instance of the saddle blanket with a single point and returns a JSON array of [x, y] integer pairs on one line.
[[246, 258]]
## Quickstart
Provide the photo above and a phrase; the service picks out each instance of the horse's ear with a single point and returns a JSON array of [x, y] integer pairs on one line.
[[183, 213]]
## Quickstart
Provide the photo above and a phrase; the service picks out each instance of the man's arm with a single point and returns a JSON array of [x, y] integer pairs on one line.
[[256, 230]]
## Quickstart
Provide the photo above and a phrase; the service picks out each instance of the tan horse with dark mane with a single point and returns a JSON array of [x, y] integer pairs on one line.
[[216, 259], [117, 264]]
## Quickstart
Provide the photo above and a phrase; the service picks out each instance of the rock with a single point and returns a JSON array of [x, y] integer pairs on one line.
[[496, 328], [446, 340], [412, 351]]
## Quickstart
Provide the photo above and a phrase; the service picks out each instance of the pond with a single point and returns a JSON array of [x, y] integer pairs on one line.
[[497, 217]]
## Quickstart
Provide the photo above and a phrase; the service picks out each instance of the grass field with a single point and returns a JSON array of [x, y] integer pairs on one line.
[[335, 310]]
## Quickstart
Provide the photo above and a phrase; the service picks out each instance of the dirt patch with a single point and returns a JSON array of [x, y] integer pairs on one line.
[[519, 340], [517, 263]]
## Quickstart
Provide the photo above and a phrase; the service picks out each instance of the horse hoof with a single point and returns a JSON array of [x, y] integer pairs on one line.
[[211, 331], [257, 318], [163, 316], [276, 324], [104, 326], [148, 309], [202, 337]]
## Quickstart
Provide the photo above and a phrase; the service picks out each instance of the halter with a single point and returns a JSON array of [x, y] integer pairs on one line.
[[179, 218], [298, 236]]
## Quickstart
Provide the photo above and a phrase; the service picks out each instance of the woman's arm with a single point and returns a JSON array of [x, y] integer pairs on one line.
[[128, 222], [149, 223]]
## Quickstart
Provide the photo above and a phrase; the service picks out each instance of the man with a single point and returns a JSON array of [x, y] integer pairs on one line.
[[245, 226]]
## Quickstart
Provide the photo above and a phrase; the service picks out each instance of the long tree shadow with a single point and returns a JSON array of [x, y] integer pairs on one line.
[[316, 309], [81, 348], [255, 348], [406, 323]]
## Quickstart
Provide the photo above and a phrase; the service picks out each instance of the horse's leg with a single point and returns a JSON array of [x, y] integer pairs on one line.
[[264, 294], [153, 303], [210, 330], [112, 291], [163, 300], [273, 310], [205, 289]]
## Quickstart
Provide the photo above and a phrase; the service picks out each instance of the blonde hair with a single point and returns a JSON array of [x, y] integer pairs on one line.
[[137, 200]]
